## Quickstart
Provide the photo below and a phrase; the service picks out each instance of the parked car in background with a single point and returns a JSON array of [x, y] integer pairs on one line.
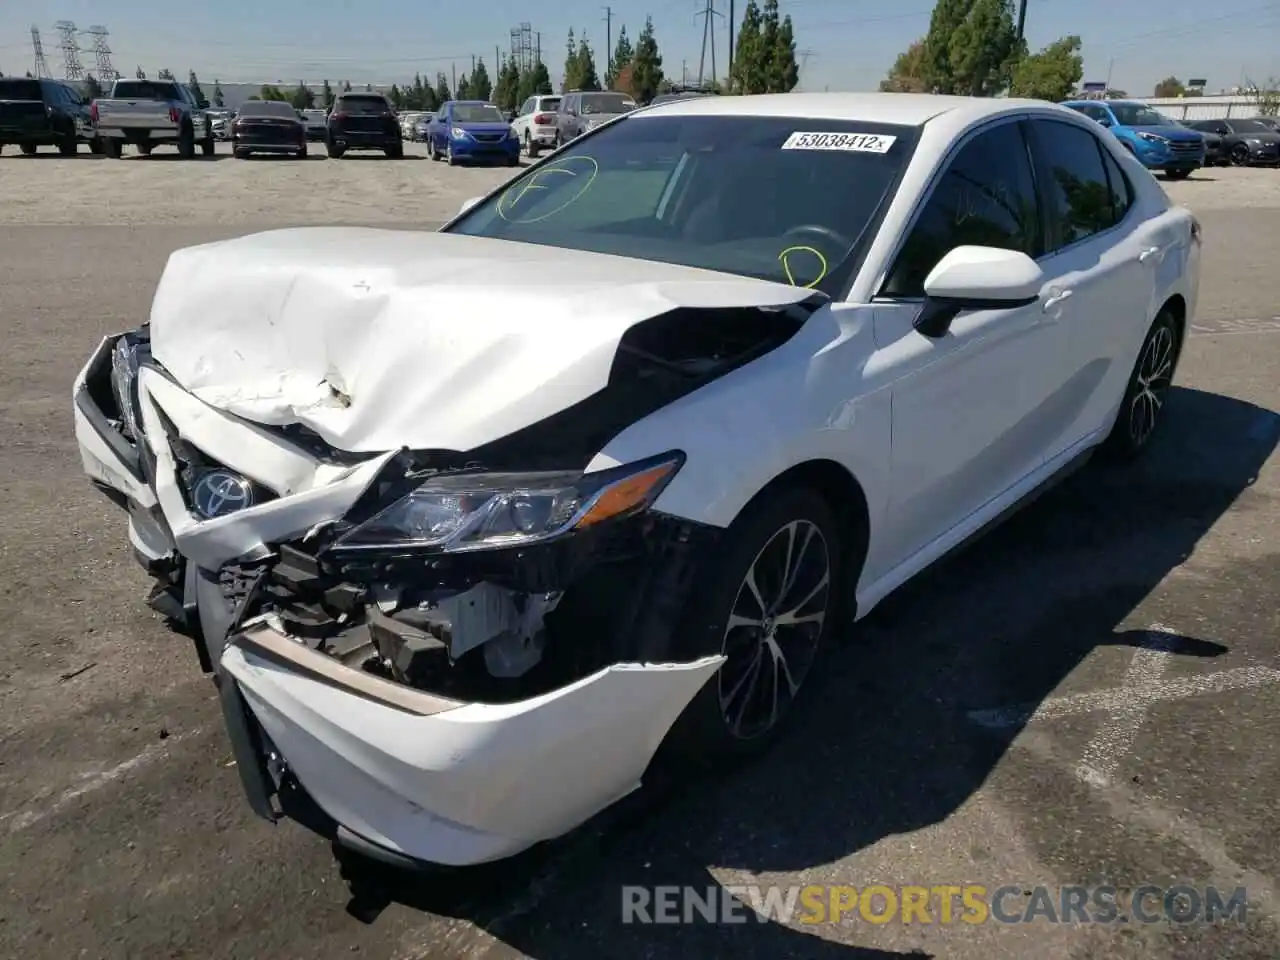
[[580, 112], [315, 122], [44, 113], [1272, 122], [681, 95], [1244, 142], [1214, 155], [268, 126], [1159, 142], [469, 523], [220, 122], [150, 112], [535, 123], [363, 121], [421, 126], [470, 130]]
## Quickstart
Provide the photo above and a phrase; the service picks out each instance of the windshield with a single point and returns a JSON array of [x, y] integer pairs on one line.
[[1250, 126], [775, 198], [268, 108], [144, 90], [11, 89], [476, 113], [606, 103], [1136, 115]]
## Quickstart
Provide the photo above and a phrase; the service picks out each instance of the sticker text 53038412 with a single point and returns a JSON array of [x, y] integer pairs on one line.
[[853, 142]]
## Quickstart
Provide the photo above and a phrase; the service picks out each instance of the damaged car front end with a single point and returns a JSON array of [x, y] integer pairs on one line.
[[438, 656]]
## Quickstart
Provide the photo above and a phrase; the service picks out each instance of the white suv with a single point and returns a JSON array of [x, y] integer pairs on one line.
[[536, 123]]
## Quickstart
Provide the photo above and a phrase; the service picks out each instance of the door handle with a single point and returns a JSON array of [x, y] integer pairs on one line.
[[1056, 299], [1148, 254]]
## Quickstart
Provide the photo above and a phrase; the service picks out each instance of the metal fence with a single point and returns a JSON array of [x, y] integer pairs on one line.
[[1204, 108]]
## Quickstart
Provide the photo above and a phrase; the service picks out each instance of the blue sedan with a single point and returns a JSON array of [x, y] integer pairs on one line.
[[471, 130]]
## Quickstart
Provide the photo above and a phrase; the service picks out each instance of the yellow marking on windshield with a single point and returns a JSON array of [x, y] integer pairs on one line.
[[588, 170], [785, 259]]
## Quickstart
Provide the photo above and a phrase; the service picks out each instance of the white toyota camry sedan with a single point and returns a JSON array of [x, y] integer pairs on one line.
[[466, 524]]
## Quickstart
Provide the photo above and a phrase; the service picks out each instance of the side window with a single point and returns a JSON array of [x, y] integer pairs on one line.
[[1121, 187], [1077, 186], [526, 108], [985, 198]]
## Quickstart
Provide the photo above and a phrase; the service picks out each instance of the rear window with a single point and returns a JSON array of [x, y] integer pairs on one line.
[[20, 89], [268, 108], [144, 90], [606, 103], [362, 105], [550, 104]]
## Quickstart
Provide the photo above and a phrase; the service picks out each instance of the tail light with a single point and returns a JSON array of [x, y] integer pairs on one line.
[[542, 119], [175, 115], [93, 112], [340, 116]]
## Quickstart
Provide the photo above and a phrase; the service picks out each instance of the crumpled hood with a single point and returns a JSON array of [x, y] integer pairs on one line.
[[381, 339]]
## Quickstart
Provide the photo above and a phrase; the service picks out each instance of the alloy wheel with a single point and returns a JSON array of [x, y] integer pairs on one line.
[[1155, 374], [1239, 154], [774, 629]]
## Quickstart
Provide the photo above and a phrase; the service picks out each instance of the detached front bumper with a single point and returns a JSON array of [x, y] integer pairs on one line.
[[440, 781], [412, 776]]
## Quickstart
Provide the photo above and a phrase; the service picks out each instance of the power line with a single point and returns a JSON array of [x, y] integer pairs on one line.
[[37, 46], [70, 44]]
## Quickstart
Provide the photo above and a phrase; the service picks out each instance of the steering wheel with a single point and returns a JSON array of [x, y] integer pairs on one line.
[[817, 230]]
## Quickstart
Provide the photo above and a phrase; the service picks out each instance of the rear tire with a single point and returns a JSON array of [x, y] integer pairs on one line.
[[28, 149], [240, 153], [208, 146], [111, 148], [1141, 410], [770, 604], [68, 146], [395, 152], [187, 143], [144, 149], [95, 146], [302, 154], [334, 151]]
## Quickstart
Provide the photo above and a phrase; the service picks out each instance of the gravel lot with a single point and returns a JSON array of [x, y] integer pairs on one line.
[[125, 833], [363, 188]]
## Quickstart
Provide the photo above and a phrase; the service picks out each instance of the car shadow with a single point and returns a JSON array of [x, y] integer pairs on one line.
[[172, 156], [888, 745], [373, 155], [281, 157]]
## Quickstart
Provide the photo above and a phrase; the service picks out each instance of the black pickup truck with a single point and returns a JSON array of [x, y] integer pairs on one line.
[[41, 112]]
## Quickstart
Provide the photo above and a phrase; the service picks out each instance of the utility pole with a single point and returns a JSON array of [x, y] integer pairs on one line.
[[708, 38], [537, 46], [608, 46], [1022, 17], [454, 88]]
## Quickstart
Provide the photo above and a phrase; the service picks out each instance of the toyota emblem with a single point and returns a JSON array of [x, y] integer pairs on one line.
[[220, 492]]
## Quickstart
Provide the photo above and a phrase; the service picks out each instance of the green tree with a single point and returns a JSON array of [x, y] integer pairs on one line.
[[346, 86], [92, 88], [506, 92], [302, 98], [1051, 74], [571, 65], [270, 91], [646, 65], [165, 74], [193, 84], [442, 89], [396, 97], [588, 78], [1169, 87], [748, 74], [907, 75], [139, 75], [481, 85], [326, 95], [971, 47], [218, 99], [622, 54], [464, 89], [784, 71], [534, 82]]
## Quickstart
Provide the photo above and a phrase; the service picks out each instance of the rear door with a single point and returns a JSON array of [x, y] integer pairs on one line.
[[1104, 261]]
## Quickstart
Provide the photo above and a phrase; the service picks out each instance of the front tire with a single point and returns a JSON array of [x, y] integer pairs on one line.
[[208, 146], [1144, 397], [1240, 155], [1178, 174], [334, 151], [395, 152], [28, 149], [770, 605], [240, 153], [67, 147], [449, 156]]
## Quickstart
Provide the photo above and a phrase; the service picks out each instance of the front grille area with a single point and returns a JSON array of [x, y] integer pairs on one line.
[[489, 137], [1185, 148]]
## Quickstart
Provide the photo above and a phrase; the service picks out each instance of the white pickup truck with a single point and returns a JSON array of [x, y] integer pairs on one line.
[[147, 112]]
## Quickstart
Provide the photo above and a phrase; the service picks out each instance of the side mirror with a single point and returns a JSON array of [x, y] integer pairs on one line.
[[468, 204], [977, 278]]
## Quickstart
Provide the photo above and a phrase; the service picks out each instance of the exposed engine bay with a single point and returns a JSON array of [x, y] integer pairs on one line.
[[502, 619]]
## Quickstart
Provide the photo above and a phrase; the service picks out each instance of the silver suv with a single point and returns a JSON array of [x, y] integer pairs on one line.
[[580, 111]]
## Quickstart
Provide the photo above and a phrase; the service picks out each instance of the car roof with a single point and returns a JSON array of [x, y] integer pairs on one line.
[[906, 109]]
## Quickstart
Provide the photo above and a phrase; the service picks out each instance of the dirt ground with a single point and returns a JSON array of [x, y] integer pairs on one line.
[[124, 832], [363, 188]]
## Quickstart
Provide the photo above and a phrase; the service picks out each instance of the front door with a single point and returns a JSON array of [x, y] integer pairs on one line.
[[967, 406]]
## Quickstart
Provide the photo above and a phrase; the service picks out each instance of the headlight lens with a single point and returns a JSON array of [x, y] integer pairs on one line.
[[124, 376], [457, 133], [1153, 138], [486, 511]]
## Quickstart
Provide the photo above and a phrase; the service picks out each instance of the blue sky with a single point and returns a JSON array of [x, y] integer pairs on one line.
[[851, 42]]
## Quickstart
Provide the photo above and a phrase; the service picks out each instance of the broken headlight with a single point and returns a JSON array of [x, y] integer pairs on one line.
[[487, 511], [124, 383]]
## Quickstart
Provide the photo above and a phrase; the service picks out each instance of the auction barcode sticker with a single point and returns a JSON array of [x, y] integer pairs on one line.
[[854, 142]]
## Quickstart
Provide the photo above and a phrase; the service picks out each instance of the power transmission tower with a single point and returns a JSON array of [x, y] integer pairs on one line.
[[522, 46], [42, 65], [70, 43], [708, 39], [102, 54], [805, 56]]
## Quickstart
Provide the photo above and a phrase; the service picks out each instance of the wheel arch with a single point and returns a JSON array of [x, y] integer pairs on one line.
[[1176, 305]]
